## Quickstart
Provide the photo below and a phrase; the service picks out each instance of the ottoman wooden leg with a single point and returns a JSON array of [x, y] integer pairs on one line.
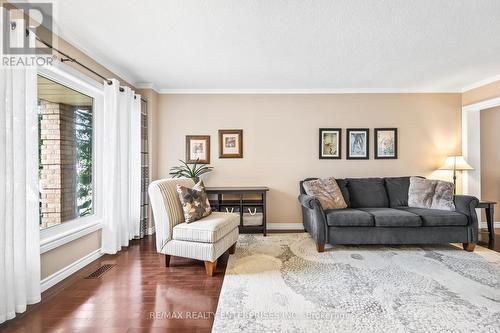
[[232, 249], [167, 260], [469, 247], [210, 267]]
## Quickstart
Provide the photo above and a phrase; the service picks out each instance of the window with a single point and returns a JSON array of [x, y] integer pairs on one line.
[[66, 153]]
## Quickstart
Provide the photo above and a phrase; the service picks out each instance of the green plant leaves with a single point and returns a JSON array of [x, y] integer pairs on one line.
[[184, 170]]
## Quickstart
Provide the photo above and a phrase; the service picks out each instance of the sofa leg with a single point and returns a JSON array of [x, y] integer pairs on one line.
[[232, 249], [469, 247], [320, 248], [167, 260], [210, 267]]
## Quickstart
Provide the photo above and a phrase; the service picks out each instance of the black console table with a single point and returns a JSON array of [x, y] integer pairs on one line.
[[241, 198], [488, 207]]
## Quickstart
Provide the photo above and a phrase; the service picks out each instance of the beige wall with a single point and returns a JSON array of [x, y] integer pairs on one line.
[[490, 155], [66, 254], [281, 137], [482, 93]]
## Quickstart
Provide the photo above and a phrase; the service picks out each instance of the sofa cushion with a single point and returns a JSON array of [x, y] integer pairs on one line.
[[209, 229], [345, 191], [420, 192], [443, 196], [397, 191], [348, 218], [326, 191], [437, 217], [429, 193], [390, 217], [367, 192]]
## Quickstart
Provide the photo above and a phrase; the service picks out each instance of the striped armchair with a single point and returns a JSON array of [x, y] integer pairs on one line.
[[206, 239]]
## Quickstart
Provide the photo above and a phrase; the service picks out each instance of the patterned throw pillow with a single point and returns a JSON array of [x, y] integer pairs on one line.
[[327, 191], [194, 202], [429, 193]]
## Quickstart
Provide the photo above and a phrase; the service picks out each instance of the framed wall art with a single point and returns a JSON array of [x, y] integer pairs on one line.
[[330, 143], [231, 143], [198, 149], [386, 143], [358, 147]]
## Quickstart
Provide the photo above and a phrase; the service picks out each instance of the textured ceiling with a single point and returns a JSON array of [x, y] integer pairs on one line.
[[423, 45]]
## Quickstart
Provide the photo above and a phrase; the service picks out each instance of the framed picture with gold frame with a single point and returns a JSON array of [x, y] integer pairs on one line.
[[198, 149], [231, 143]]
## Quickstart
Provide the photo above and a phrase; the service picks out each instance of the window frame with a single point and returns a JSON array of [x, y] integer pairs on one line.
[[55, 236]]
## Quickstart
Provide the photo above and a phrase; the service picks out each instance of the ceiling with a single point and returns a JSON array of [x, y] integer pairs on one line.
[[289, 45]]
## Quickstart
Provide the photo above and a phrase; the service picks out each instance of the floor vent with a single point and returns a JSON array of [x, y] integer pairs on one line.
[[98, 273]]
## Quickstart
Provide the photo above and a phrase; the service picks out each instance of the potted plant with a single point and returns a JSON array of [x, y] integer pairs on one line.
[[194, 172]]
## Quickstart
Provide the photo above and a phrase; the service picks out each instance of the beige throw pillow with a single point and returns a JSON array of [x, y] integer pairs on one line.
[[429, 193], [194, 202], [327, 191], [443, 196]]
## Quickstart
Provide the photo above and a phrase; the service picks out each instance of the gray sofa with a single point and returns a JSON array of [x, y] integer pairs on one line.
[[378, 213]]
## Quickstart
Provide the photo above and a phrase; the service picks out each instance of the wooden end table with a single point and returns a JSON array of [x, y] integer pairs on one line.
[[219, 203], [489, 207]]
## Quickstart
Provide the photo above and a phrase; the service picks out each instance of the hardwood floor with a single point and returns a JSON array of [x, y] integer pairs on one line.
[[483, 240], [139, 294]]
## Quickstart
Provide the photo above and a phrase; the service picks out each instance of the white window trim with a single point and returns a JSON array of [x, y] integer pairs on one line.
[[53, 237]]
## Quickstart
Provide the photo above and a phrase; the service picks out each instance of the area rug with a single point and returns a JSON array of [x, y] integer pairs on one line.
[[279, 283]]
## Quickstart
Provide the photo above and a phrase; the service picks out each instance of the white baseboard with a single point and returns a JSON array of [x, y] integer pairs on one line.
[[60, 275], [484, 225], [285, 226]]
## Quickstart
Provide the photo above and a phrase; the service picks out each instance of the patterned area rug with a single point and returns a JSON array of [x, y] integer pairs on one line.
[[279, 283]]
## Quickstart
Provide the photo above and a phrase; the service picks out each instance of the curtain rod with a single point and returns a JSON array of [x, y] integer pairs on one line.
[[71, 59]]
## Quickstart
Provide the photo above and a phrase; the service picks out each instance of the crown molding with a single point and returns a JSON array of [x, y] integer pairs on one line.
[[145, 85], [481, 83], [308, 91]]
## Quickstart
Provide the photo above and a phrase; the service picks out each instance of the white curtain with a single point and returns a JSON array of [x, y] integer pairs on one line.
[[122, 156], [19, 197]]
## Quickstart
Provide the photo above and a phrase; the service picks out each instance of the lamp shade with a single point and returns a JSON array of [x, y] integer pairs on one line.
[[456, 163]]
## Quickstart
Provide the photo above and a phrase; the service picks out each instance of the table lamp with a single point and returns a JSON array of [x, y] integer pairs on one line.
[[455, 163]]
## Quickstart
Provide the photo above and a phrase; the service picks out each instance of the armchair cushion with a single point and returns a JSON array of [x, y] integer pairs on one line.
[[194, 202], [209, 229]]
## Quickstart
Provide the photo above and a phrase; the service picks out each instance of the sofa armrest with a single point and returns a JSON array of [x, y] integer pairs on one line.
[[308, 201], [314, 218], [467, 204]]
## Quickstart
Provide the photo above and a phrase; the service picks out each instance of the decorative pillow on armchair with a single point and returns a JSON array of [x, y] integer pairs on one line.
[[327, 191], [194, 202], [428, 193]]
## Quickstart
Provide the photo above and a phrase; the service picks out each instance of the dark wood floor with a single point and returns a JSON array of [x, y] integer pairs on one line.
[[137, 295], [484, 239]]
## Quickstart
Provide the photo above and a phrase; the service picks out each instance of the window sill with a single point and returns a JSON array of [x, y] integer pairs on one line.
[[66, 232]]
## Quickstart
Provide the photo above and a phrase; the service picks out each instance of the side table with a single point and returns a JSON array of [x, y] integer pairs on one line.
[[489, 207]]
